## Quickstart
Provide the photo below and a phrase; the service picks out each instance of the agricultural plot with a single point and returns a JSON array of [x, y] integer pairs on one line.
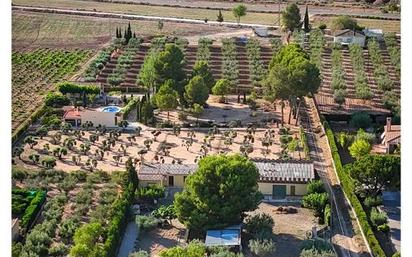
[[73, 199], [33, 75], [36, 30], [356, 79], [243, 65]]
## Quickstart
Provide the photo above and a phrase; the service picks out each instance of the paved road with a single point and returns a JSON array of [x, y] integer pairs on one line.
[[132, 16], [343, 238], [128, 241]]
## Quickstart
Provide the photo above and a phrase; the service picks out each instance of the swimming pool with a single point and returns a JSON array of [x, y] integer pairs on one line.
[[111, 109]]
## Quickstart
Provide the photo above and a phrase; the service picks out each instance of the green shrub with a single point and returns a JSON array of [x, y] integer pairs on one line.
[[318, 244], [370, 202], [56, 100], [316, 202], [315, 253], [262, 247], [378, 218], [397, 254], [165, 212], [360, 120], [322, 26], [315, 186], [16, 249], [69, 87], [32, 210], [259, 225], [59, 250], [146, 223], [384, 228], [327, 214], [151, 192]]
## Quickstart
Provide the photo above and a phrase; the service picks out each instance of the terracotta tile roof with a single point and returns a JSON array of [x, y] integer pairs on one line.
[[393, 134], [72, 114]]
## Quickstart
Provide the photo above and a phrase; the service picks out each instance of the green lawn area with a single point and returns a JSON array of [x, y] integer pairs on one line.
[[261, 18]]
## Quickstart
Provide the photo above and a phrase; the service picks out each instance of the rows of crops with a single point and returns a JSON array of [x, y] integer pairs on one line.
[[34, 73], [230, 70], [361, 84], [73, 199], [394, 51], [256, 66], [338, 77]]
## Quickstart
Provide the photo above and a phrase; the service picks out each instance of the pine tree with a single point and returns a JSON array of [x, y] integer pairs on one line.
[[220, 17], [306, 21]]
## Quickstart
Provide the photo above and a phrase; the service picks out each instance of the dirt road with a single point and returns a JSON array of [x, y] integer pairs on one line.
[[346, 236]]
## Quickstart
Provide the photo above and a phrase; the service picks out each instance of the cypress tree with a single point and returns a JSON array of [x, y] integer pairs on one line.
[[120, 33], [134, 34], [306, 21], [117, 32], [220, 16]]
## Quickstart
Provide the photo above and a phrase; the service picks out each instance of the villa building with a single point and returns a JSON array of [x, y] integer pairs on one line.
[[278, 179], [108, 116]]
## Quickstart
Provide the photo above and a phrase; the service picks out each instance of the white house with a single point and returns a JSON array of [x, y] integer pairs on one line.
[[349, 37], [108, 116]]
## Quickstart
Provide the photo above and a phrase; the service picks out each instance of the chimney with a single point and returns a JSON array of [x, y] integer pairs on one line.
[[388, 123]]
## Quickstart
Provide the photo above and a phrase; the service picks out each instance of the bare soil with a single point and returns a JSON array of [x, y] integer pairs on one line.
[[162, 238]]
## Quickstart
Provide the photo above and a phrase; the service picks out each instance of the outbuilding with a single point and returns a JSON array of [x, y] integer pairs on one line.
[[279, 180], [349, 37]]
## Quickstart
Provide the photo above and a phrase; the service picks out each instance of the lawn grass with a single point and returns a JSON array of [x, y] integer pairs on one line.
[[260, 18]]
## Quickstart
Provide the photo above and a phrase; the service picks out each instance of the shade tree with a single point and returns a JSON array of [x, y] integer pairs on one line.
[[233, 178]]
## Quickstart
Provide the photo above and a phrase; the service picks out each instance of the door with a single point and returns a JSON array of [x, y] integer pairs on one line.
[[279, 191], [171, 181], [292, 190]]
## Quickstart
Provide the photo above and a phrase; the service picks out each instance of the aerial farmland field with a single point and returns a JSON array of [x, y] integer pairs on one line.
[[207, 124]]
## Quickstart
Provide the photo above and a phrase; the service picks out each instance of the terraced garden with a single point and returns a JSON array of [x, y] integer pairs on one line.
[[243, 65], [33, 75], [353, 78]]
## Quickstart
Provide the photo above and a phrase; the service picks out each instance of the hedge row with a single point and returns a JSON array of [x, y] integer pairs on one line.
[[348, 186], [32, 210], [68, 87], [26, 124], [119, 221]]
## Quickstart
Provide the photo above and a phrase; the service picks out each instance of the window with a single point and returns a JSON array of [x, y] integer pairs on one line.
[[292, 190]]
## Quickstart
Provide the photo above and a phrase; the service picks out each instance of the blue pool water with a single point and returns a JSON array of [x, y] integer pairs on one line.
[[111, 109]]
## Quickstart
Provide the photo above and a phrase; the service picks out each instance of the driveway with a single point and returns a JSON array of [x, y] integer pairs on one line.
[[392, 206], [128, 240]]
